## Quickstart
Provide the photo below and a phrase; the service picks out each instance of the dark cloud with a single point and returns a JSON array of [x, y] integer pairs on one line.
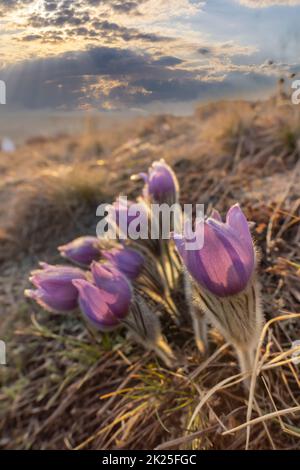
[[76, 18], [136, 79], [31, 37], [60, 80], [120, 6], [66, 14], [107, 28], [205, 50], [49, 5], [125, 7], [168, 61], [76, 12], [7, 5]]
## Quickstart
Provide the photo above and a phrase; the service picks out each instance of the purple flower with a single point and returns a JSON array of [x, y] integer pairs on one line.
[[82, 250], [161, 183], [105, 303], [115, 286], [226, 262], [130, 262], [54, 288]]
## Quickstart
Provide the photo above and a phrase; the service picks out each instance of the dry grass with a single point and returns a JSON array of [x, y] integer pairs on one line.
[[51, 207], [64, 388]]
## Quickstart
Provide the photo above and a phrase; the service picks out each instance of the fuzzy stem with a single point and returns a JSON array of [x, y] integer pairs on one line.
[[163, 351], [167, 294], [246, 360], [200, 331]]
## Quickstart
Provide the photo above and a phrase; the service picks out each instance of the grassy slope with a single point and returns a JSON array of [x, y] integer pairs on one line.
[[65, 388]]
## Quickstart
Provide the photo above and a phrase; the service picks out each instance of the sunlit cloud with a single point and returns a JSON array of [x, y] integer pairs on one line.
[[109, 78], [115, 54]]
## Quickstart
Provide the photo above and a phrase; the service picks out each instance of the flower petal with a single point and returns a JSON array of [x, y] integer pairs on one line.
[[60, 302], [82, 250], [55, 290], [216, 215], [223, 266], [161, 184], [128, 261], [237, 221], [94, 307], [114, 286]]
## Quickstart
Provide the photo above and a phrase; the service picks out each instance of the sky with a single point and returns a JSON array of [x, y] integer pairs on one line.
[[141, 55]]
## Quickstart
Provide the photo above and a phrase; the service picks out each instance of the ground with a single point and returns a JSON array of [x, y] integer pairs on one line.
[[65, 387]]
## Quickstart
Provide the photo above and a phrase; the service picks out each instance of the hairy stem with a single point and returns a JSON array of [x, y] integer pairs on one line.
[[246, 358]]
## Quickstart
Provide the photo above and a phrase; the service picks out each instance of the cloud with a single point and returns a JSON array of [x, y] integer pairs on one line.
[[77, 12], [268, 3], [126, 7], [120, 6], [225, 49], [97, 30], [8, 5], [111, 78], [72, 78], [112, 54], [65, 13], [78, 18]]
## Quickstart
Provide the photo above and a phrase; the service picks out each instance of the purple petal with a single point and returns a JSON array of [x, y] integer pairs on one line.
[[237, 221], [144, 177], [55, 290], [56, 272], [82, 250], [216, 215], [60, 302], [162, 182], [229, 263], [126, 260], [94, 307], [114, 286], [225, 263]]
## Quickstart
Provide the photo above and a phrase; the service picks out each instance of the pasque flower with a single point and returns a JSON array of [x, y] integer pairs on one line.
[[109, 300], [130, 262], [105, 301], [161, 185], [226, 262], [54, 288], [222, 276], [82, 250]]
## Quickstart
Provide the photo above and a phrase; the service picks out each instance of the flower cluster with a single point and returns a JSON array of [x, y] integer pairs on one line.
[[102, 291], [112, 282]]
